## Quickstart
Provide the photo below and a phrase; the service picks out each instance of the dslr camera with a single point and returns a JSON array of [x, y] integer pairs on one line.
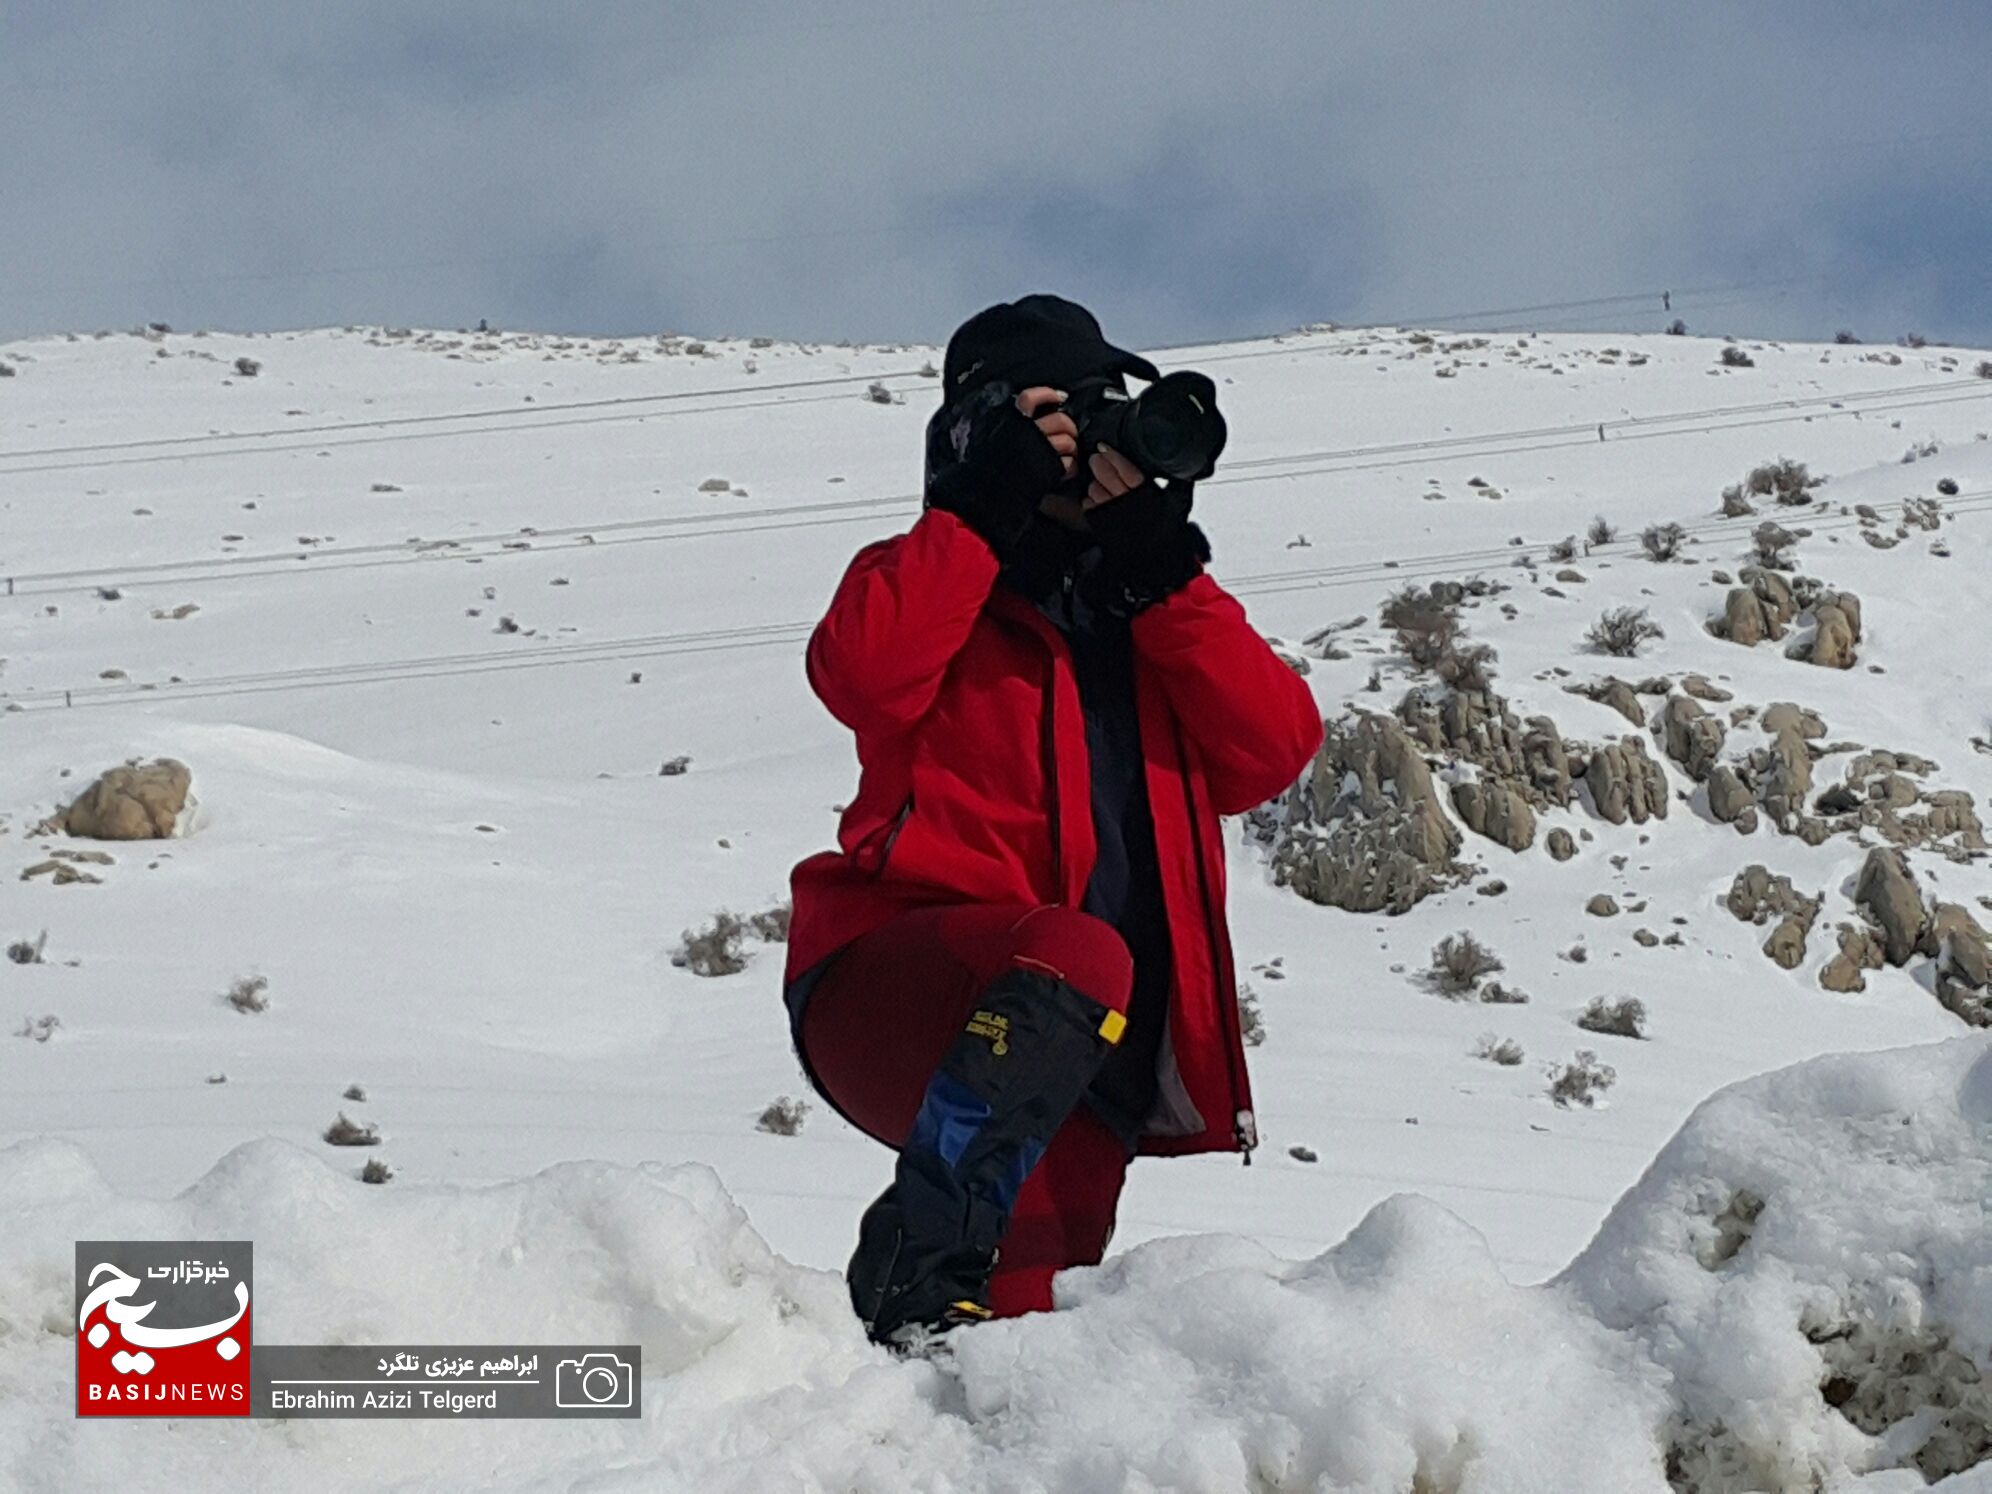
[[1172, 429], [593, 1382]]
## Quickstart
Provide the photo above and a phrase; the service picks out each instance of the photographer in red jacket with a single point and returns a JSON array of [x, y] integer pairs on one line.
[[1015, 968]]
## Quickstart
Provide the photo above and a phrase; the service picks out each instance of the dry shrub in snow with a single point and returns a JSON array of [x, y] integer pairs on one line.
[[1662, 541], [1621, 631], [1496, 994], [39, 1029], [248, 367], [1564, 550], [249, 994], [1468, 667], [1458, 963], [343, 1132], [771, 926], [1601, 532], [1734, 504], [1984, 369], [783, 1117], [1251, 1024], [1772, 543], [1735, 357], [1789, 482], [1504, 1051], [1625, 1017], [1426, 628], [24, 952], [1845, 337], [1581, 1081], [714, 949], [376, 1171]]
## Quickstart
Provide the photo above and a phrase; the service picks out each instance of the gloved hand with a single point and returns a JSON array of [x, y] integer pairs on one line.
[[1148, 545], [991, 465]]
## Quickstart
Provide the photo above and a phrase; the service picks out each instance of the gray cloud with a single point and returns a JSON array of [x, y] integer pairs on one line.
[[877, 170]]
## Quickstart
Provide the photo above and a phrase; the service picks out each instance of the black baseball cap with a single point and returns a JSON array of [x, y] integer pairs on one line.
[[1035, 340]]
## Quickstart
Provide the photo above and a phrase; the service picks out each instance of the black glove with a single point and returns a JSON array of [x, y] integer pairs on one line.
[[990, 466], [1149, 548]]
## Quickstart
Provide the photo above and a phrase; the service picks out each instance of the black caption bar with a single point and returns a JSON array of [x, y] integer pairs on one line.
[[462, 1380]]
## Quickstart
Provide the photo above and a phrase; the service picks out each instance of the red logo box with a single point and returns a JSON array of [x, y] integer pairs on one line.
[[162, 1327]]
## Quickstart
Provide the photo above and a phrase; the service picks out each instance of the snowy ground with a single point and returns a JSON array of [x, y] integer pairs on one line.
[[449, 850]]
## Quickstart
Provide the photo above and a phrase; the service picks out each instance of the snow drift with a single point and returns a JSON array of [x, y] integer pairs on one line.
[[1797, 1295]]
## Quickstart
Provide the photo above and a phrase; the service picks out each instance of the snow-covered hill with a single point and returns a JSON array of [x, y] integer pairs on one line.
[[426, 613]]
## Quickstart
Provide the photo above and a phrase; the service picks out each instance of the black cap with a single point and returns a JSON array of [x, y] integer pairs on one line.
[[1035, 340]]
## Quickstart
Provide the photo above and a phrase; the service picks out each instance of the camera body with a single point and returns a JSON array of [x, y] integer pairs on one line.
[[1172, 429], [594, 1381]]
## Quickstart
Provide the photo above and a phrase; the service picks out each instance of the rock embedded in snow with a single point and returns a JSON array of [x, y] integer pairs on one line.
[[1886, 892], [1602, 905], [1691, 736], [1625, 783], [1363, 829], [1560, 845], [133, 802]]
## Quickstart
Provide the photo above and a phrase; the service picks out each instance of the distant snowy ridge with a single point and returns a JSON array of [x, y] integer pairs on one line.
[[1796, 1295]]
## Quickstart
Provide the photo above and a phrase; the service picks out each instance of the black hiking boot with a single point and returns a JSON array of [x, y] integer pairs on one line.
[[927, 1246]]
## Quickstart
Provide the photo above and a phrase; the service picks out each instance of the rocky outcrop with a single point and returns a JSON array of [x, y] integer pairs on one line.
[[1625, 783], [1363, 829], [133, 802], [1881, 793], [1615, 693], [1690, 736], [1495, 808], [1758, 897], [1836, 628], [1730, 799], [1859, 953], [1781, 773], [1963, 954], [1762, 607], [1886, 893]]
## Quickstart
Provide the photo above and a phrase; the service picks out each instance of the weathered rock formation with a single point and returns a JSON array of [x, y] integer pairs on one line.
[[1363, 829], [1625, 783], [1758, 897], [133, 802]]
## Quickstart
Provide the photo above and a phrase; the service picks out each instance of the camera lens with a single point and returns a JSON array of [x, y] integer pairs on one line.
[[1174, 428], [599, 1384]]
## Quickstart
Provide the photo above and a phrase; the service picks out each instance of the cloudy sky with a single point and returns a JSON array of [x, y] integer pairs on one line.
[[876, 169]]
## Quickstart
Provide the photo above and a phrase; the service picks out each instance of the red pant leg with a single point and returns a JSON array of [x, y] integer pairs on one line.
[[1063, 1216], [887, 1009]]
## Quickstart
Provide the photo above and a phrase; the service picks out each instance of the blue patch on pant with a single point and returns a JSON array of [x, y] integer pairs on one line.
[[951, 1117]]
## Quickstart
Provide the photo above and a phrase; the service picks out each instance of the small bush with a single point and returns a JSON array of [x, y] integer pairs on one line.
[[1622, 631], [1564, 550], [39, 1029], [1458, 963], [1984, 369], [343, 1132], [1790, 482], [1601, 532], [1735, 357], [714, 949], [1734, 504], [674, 767], [249, 994], [1251, 1023], [1426, 628], [1913, 340], [1844, 337], [1581, 1081], [248, 367], [21, 952], [1496, 994], [783, 1117], [1504, 1051], [1468, 667], [376, 1171], [1625, 1017], [1662, 542], [772, 926], [1772, 543], [1677, 328]]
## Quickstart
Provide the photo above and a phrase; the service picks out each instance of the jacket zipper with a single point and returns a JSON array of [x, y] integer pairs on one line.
[[1244, 1125]]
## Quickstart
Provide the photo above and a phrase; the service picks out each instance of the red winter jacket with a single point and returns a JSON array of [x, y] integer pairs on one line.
[[975, 785]]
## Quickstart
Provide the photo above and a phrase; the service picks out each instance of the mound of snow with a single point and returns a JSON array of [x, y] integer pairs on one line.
[[1816, 1235]]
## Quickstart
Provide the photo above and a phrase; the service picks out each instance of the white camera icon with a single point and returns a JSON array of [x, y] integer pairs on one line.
[[594, 1382]]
